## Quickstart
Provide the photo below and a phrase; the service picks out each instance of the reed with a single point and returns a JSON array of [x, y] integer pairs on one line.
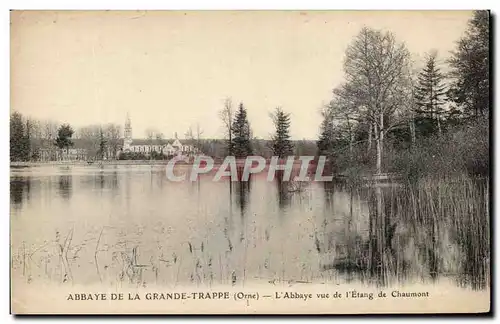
[[431, 229]]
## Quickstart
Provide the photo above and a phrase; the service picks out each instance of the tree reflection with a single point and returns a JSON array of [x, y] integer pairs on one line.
[[283, 190], [328, 193], [100, 181], [413, 232], [242, 192], [19, 187], [104, 180], [65, 183]]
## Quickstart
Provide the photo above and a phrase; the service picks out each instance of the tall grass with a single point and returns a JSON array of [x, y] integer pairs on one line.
[[431, 229]]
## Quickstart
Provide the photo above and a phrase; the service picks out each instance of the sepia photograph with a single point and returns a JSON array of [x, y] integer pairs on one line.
[[250, 162]]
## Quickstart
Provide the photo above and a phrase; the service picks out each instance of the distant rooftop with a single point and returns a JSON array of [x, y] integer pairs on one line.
[[81, 143], [154, 141]]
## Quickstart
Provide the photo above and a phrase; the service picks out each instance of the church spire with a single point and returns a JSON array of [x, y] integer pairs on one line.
[[127, 120], [128, 127]]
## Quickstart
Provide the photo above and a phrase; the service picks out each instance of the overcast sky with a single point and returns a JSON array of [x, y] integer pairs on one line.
[[170, 70]]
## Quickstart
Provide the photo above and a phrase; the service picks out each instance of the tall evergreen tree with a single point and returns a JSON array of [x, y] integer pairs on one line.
[[280, 142], [64, 134], [19, 141], [240, 144], [470, 67], [430, 94], [325, 142], [102, 144]]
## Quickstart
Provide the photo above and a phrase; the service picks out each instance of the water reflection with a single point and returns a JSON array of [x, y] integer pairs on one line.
[[283, 194], [283, 190], [100, 180], [104, 181], [414, 232], [380, 257], [20, 189], [242, 193], [65, 183], [373, 234]]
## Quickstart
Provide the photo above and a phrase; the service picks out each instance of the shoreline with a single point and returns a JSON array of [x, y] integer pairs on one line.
[[382, 178], [113, 162], [85, 163]]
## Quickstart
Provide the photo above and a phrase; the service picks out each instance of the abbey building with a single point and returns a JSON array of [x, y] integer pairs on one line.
[[157, 145]]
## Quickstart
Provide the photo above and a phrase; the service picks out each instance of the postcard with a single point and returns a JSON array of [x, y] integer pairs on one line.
[[250, 162]]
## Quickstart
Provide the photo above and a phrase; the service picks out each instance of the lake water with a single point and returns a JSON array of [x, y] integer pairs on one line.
[[130, 224]]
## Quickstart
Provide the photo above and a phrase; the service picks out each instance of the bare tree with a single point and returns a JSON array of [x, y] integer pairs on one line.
[[150, 135], [376, 68], [34, 134], [226, 116], [189, 135], [199, 133], [160, 139], [90, 137], [411, 103], [113, 136], [49, 134], [346, 113]]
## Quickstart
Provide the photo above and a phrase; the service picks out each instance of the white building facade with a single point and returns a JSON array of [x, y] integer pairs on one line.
[[155, 145]]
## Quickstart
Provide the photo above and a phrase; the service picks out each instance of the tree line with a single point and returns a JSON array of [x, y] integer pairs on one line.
[[406, 120], [241, 143], [30, 137], [386, 116]]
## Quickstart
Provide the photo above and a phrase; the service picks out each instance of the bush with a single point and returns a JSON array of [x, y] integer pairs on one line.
[[463, 150], [132, 156]]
